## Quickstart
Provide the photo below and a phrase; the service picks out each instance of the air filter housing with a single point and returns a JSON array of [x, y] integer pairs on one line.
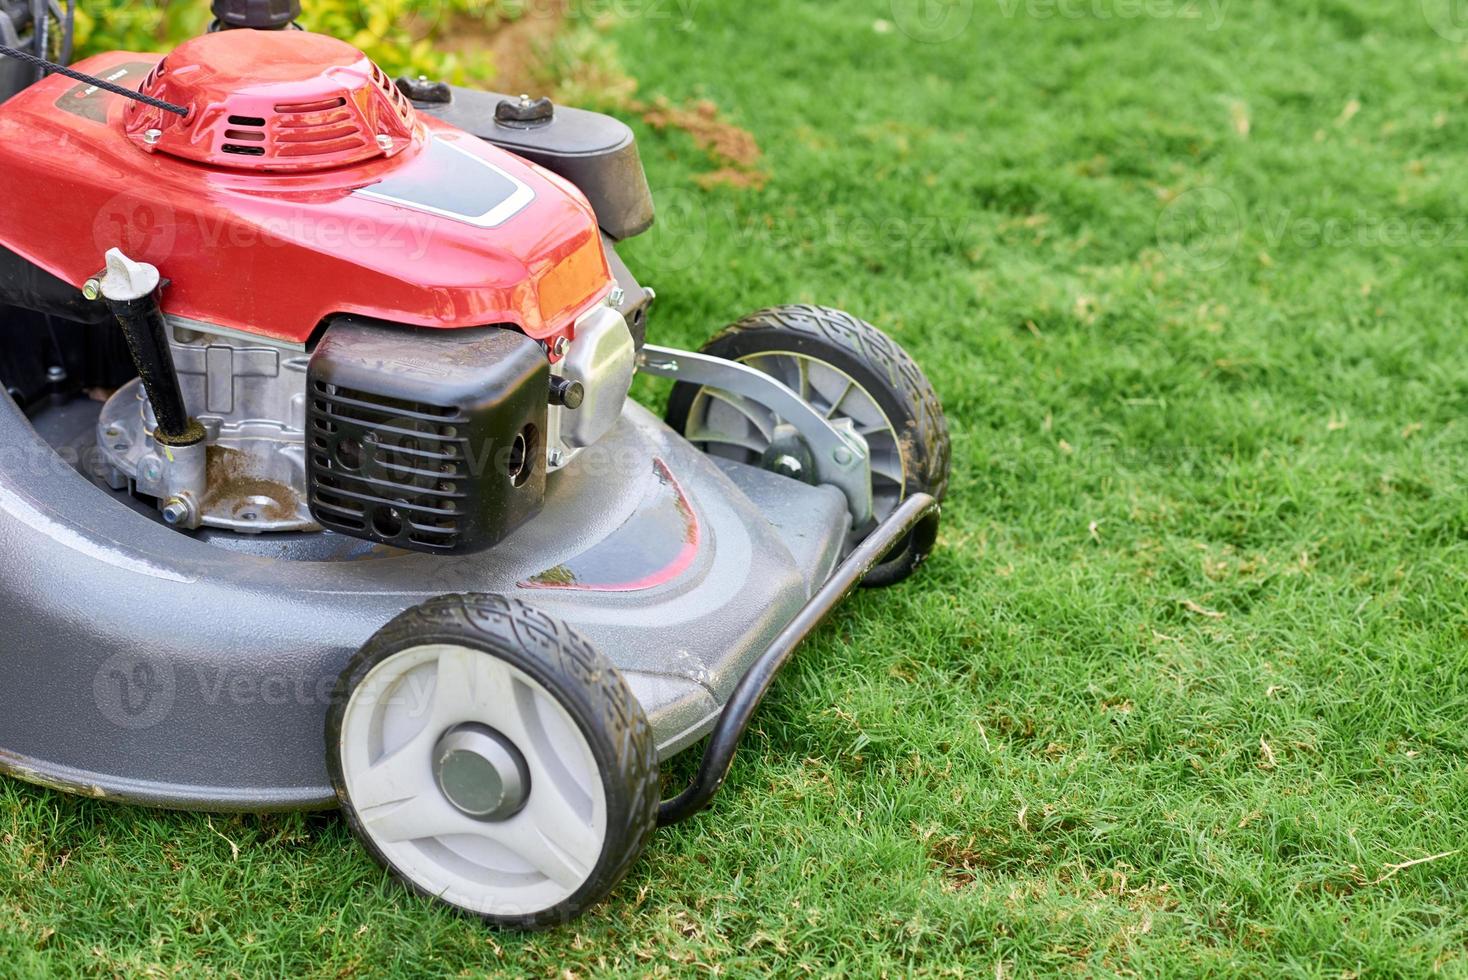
[[427, 440], [272, 101]]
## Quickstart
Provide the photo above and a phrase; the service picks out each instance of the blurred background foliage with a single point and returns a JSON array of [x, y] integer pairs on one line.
[[453, 40]]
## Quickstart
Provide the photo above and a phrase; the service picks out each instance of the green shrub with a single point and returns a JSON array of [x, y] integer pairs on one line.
[[399, 35]]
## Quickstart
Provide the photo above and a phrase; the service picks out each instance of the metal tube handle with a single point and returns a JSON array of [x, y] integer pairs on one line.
[[917, 515]]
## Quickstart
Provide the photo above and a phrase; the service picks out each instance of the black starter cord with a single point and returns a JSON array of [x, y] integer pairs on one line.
[[106, 86]]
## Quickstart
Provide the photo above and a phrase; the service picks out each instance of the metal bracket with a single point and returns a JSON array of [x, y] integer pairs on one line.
[[841, 455]]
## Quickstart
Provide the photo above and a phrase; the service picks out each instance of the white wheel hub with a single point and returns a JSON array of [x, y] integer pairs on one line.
[[473, 780]]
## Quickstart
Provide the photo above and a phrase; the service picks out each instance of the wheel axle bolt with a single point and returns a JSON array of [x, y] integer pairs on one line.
[[480, 773], [788, 466]]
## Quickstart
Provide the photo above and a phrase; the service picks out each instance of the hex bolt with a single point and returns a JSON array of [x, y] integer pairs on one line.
[[152, 136], [56, 373], [176, 511], [92, 289], [616, 296], [562, 345], [788, 466], [384, 141]]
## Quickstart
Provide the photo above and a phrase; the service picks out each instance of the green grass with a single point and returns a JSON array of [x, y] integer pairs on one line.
[[1186, 685]]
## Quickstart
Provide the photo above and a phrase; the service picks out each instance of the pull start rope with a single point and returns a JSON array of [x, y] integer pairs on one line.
[[105, 86]]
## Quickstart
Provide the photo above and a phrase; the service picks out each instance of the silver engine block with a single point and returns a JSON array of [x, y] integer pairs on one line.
[[250, 474]]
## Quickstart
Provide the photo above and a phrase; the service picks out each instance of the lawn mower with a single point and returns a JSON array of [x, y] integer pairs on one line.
[[321, 482]]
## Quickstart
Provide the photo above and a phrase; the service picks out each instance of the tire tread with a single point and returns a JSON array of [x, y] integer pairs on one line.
[[549, 650], [836, 336]]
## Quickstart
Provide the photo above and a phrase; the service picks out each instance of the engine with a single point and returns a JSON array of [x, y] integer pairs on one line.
[[379, 324]]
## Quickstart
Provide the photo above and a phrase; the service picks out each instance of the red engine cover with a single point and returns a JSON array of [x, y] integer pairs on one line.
[[398, 217], [323, 106]]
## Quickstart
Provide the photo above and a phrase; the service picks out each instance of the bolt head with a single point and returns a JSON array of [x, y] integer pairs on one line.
[[384, 141], [92, 290], [480, 772], [176, 511], [562, 346], [152, 136], [56, 373], [788, 466], [616, 296], [152, 470], [844, 457]]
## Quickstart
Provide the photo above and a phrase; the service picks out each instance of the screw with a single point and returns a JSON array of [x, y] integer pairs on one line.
[[92, 290], [554, 457], [152, 136], [787, 466], [562, 345], [176, 511], [384, 141], [616, 296]]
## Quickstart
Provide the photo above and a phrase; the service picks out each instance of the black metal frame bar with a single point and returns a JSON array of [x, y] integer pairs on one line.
[[916, 516]]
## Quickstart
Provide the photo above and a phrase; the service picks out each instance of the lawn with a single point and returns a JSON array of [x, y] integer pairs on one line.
[[1185, 689]]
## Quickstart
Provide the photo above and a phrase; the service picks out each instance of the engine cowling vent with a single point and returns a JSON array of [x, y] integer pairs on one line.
[[273, 101]]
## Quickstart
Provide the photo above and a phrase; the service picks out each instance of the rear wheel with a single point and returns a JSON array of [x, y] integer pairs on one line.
[[490, 758], [848, 370]]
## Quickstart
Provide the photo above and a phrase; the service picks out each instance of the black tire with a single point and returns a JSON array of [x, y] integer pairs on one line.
[[588, 686], [881, 367]]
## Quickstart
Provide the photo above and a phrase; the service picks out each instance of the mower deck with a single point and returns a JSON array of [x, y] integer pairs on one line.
[[172, 670]]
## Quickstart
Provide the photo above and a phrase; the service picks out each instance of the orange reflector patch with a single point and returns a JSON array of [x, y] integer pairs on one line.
[[573, 281]]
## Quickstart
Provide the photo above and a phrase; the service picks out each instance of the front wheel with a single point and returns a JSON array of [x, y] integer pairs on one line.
[[848, 370], [493, 760]]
